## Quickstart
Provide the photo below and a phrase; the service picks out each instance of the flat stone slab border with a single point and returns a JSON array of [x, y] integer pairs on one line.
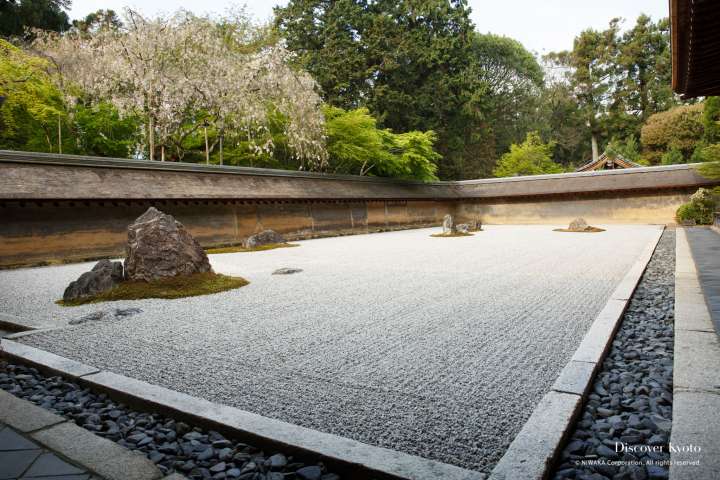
[[534, 450], [351, 458], [102, 457], [16, 324], [696, 382]]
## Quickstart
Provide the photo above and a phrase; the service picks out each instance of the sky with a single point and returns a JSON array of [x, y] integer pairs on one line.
[[542, 26]]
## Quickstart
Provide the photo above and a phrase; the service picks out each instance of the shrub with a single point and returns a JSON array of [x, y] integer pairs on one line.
[[700, 208], [687, 213], [678, 128], [672, 156]]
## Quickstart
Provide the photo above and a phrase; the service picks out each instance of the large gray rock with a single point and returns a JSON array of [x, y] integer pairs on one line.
[[159, 246], [265, 237], [103, 276]]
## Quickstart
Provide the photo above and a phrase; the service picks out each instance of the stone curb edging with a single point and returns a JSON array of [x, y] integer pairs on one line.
[[532, 453], [349, 457], [100, 456], [16, 324], [696, 379]]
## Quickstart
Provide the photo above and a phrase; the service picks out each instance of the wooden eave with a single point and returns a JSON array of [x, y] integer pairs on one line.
[[695, 44]]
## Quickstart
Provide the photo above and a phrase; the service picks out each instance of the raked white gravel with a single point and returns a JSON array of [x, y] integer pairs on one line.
[[439, 347]]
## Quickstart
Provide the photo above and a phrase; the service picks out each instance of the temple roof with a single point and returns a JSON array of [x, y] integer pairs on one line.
[[606, 162], [695, 32]]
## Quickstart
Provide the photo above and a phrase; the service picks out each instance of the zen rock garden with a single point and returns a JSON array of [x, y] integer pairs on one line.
[[337, 300], [164, 260], [555, 319]]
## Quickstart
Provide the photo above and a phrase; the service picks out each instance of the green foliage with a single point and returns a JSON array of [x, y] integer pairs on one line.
[[679, 128], [629, 149], [700, 208], [710, 170], [687, 212], [405, 61], [18, 15], [711, 156], [706, 153], [98, 20], [532, 157], [643, 70], [619, 80], [672, 157], [509, 83], [711, 120], [561, 119], [101, 131], [356, 146], [33, 105], [34, 109]]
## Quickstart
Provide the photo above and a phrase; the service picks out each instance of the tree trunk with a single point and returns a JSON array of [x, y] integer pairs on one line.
[[207, 148], [595, 154], [221, 149], [59, 136], [151, 135], [644, 100], [162, 153]]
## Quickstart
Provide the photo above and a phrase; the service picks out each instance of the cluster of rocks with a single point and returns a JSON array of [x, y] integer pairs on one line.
[[172, 445], [580, 225], [158, 246], [631, 400], [266, 237], [450, 227]]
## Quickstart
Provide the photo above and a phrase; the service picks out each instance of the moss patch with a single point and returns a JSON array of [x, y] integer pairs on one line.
[[240, 248], [587, 230], [451, 234], [173, 287]]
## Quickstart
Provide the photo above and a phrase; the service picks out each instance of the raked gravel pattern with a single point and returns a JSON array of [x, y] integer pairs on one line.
[[438, 347], [624, 430]]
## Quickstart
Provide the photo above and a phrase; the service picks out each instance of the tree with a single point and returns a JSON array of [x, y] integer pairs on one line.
[[532, 157], [508, 85], [356, 146], [99, 130], [18, 16], [98, 20], [33, 106], [643, 71], [405, 61], [619, 81], [627, 149], [711, 120], [560, 119], [679, 128], [589, 70], [182, 73]]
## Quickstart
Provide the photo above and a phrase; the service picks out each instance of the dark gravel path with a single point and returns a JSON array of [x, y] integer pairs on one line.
[[171, 445], [624, 429]]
